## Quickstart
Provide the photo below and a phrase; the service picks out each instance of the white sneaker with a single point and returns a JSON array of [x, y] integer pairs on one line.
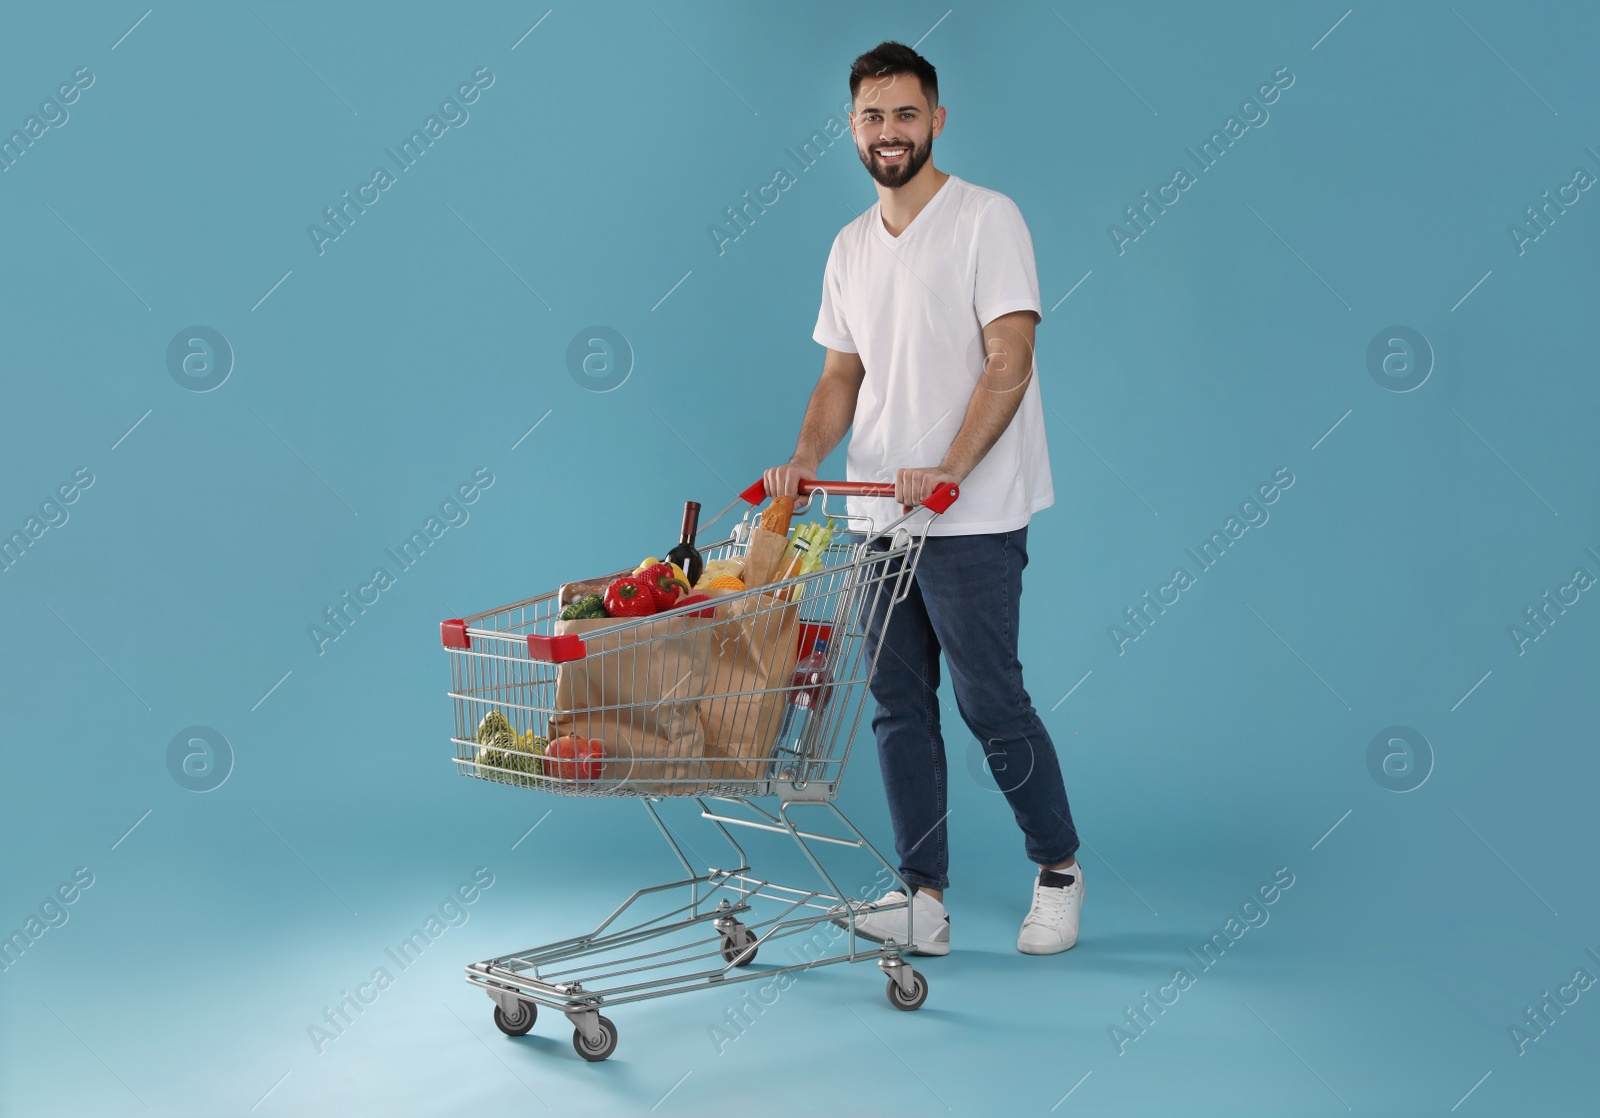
[[1052, 923], [885, 919]]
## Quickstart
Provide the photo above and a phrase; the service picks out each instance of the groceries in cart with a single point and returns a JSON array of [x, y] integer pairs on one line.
[[664, 696], [507, 751], [573, 758], [659, 585], [567, 758]]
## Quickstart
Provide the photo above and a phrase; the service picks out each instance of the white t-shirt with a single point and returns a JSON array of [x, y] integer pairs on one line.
[[914, 308]]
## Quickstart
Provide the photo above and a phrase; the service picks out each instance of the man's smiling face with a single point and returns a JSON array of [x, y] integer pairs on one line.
[[894, 128]]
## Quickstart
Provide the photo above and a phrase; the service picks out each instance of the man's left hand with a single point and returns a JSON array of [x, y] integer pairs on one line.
[[913, 486]]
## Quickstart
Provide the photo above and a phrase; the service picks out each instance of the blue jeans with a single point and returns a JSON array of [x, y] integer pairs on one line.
[[964, 600]]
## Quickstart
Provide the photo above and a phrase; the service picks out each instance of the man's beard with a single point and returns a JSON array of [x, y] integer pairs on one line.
[[897, 174]]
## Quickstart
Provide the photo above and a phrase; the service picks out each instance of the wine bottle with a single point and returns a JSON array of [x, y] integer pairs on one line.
[[685, 554]]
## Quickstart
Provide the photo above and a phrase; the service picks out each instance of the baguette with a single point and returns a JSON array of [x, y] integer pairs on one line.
[[776, 518]]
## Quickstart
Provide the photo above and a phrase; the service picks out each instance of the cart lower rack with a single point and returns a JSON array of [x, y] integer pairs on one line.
[[699, 703]]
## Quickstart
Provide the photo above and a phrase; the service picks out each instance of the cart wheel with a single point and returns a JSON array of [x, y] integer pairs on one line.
[[518, 1023], [607, 1045], [918, 995], [739, 949]]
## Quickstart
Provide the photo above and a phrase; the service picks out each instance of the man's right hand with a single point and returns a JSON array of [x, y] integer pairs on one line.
[[784, 481]]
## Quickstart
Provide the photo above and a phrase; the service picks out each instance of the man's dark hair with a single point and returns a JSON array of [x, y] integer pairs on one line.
[[888, 59]]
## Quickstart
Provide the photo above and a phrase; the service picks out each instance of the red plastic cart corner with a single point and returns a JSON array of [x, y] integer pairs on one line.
[[558, 649], [454, 633]]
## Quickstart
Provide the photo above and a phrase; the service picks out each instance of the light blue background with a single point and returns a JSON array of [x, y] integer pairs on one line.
[[426, 341]]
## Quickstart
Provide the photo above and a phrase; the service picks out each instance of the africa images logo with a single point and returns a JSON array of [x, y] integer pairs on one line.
[[452, 114]]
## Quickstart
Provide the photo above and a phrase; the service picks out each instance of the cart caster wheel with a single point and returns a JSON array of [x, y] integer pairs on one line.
[[518, 1023], [739, 949], [918, 995], [607, 1045]]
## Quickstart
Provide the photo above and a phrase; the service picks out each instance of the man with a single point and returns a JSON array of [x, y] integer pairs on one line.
[[929, 305]]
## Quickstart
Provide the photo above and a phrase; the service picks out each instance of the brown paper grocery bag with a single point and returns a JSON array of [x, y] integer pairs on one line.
[[745, 692], [763, 557], [637, 692], [680, 702]]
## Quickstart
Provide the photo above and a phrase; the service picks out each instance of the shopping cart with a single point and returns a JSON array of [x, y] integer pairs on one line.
[[705, 929]]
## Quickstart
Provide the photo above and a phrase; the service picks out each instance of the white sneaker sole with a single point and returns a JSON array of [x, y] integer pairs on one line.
[[918, 946], [1042, 949]]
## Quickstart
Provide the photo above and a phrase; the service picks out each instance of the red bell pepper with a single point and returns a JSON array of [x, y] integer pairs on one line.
[[573, 758], [665, 586], [629, 596]]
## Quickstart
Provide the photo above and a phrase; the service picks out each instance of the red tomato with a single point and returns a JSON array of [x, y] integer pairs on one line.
[[570, 757]]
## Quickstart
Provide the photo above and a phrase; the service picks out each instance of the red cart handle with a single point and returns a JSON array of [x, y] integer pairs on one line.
[[939, 500]]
